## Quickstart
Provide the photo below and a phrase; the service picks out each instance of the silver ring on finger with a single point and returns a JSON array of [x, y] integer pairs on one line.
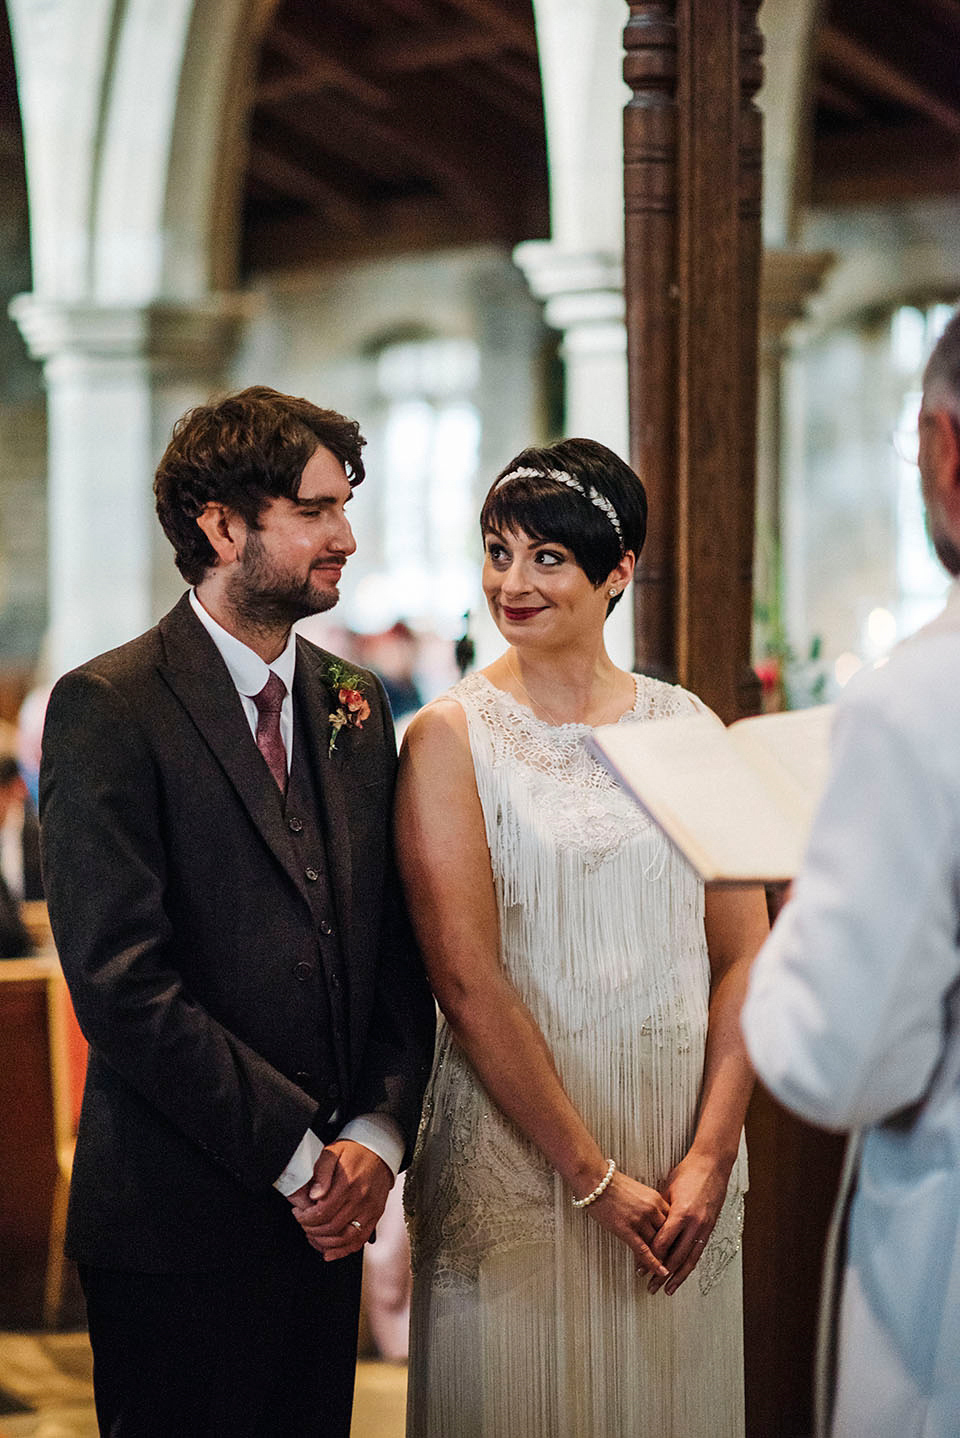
[[355, 1223]]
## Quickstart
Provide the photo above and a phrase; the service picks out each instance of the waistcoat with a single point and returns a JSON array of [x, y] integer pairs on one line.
[[325, 1038]]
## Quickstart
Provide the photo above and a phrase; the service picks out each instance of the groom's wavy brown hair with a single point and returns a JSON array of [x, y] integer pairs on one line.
[[242, 451]]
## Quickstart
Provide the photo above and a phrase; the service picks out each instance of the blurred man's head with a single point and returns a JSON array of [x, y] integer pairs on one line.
[[939, 445]]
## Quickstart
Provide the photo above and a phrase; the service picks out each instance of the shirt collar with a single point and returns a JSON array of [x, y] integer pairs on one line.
[[247, 670]]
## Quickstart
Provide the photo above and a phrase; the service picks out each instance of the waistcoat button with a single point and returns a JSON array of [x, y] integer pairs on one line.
[[295, 825], [312, 875], [303, 971], [326, 928]]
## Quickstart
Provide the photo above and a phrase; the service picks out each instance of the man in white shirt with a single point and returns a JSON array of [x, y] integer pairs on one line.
[[215, 804], [853, 1013]]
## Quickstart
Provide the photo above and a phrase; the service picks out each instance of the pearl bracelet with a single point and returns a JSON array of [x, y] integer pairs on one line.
[[601, 1187]]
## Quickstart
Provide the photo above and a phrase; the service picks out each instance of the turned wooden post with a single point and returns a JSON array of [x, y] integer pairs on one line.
[[692, 265]]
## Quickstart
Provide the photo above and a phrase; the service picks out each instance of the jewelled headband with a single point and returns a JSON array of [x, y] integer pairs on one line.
[[562, 477]]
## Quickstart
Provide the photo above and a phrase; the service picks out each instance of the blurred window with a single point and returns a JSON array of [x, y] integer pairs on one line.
[[428, 438]]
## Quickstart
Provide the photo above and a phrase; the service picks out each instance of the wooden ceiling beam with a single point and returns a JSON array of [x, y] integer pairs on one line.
[[835, 98], [270, 166], [489, 13], [883, 164], [945, 13], [519, 107], [457, 161], [520, 74], [884, 78], [434, 49], [322, 75], [273, 243], [314, 69]]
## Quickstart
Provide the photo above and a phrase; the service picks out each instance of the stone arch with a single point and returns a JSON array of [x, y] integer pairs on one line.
[[133, 118], [133, 125]]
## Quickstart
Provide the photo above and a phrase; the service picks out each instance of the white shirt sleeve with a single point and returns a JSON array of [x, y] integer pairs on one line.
[[380, 1133], [844, 1014], [300, 1168], [376, 1131]]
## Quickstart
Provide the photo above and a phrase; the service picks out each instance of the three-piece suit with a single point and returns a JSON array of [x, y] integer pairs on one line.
[[240, 962]]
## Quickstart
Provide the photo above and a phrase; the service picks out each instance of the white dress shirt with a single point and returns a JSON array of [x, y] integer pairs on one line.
[[376, 1131]]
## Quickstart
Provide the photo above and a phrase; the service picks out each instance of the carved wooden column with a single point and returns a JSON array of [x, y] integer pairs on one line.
[[692, 260]]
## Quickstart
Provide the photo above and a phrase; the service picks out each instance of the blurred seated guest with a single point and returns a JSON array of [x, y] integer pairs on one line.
[[19, 834], [392, 656], [388, 1282], [19, 841], [28, 736]]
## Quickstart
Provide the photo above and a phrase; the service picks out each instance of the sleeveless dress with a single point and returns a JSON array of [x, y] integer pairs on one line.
[[528, 1318]]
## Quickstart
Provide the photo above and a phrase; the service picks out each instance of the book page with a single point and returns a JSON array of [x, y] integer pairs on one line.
[[735, 820], [791, 751]]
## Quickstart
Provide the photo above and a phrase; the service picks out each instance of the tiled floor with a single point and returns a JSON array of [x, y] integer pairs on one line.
[[50, 1374]]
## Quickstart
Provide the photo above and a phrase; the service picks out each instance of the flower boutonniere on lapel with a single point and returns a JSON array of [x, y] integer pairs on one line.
[[352, 708]]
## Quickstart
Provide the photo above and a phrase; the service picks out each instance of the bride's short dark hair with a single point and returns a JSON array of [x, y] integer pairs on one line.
[[551, 509]]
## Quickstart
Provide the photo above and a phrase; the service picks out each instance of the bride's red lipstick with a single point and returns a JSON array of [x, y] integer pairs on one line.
[[518, 615]]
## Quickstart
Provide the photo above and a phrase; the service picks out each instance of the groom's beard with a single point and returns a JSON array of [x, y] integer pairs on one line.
[[266, 595]]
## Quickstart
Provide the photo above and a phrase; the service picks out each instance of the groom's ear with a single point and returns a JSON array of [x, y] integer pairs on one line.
[[224, 529]]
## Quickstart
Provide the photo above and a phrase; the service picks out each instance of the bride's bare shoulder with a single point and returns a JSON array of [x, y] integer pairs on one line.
[[441, 722]]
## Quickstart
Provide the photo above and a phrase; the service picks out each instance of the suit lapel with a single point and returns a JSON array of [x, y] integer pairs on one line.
[[201, 681], [313, 701]]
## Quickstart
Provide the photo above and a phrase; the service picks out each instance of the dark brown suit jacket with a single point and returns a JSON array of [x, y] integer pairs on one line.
[[183, 919]]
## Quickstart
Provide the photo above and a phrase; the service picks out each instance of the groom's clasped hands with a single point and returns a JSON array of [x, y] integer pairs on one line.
[[340, 1207]]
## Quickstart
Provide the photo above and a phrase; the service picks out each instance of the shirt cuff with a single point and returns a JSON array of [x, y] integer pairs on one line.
[[300, 1168], [381, 1134]]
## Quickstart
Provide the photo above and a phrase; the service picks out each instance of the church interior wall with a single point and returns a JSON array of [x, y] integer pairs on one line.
[[858, 572], [320, 333]]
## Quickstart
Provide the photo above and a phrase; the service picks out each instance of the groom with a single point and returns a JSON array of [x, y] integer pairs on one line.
[[215, 804]]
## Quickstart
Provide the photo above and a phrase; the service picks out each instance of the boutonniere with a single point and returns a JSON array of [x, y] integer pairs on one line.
[[352, 709]]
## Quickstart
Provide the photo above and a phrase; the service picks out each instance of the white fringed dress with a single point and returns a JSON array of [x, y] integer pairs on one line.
[[529, 1320]]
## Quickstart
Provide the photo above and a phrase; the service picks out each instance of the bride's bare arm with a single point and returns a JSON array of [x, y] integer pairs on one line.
[[736, 925], [445, 864]]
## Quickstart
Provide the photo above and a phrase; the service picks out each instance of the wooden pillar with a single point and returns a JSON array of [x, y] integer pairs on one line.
[[692, 264]]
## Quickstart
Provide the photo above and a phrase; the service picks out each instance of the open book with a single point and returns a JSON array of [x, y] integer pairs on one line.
[[737, 802]]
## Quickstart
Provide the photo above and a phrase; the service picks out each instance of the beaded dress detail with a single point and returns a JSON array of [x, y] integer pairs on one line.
[[529, 1320]]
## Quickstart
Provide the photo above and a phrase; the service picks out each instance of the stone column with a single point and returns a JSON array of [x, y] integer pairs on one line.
[[583, 299], [117, 378], [578, 273]]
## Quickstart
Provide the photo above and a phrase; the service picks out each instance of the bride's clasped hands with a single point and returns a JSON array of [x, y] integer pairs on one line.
[[666, 1231]]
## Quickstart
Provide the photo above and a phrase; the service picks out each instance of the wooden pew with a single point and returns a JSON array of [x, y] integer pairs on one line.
[[42, 1062]]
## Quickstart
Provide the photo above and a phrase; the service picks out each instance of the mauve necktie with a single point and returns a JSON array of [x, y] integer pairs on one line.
[[269, 740]]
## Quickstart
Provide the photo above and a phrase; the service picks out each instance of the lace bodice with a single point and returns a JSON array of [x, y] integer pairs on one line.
[[582, 807]]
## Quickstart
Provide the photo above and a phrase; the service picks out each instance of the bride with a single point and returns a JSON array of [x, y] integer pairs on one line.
[[576, 1199]]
